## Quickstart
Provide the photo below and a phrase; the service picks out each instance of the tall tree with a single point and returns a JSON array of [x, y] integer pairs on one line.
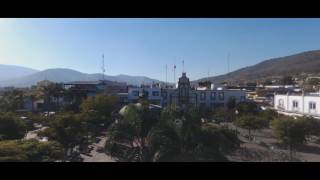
[[67, 129], [291, 132], [101, 108], [251, 122]]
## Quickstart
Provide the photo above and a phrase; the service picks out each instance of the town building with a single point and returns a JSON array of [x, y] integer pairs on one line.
[[185, 95], [80, 90], [298, 104]]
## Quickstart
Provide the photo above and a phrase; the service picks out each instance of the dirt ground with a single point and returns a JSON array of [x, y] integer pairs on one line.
[[97, 156], [265, 148]]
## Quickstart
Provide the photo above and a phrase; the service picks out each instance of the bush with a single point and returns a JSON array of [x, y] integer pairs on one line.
[[30, 151], [11, 126]]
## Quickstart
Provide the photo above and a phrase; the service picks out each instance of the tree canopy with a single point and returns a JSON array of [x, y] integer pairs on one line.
[[30, 151], [252, 122], [178, 135], [11, 126], [291, 131]]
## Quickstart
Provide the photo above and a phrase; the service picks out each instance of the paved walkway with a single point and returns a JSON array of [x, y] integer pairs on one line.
[[33, 134], [96, 156]]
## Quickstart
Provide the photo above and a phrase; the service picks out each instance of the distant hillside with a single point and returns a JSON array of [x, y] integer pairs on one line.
[[11, 71], [66, 75], [297, 64]]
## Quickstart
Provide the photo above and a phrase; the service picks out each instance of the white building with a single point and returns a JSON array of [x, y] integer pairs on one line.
[[298, 104], [185, 95]]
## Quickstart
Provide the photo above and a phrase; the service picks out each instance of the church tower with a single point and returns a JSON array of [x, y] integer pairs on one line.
[[184, 87]]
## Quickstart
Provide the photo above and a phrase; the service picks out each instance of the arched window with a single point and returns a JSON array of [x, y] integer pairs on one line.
[[281, 103]]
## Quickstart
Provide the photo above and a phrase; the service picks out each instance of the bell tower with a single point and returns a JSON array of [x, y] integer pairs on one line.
[[183, 88]]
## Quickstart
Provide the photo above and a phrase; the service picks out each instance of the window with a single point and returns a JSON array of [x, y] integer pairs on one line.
[[221, 95], [155, 93], [213, 95], [202, 95], [135, 93], [295, 104], [312, 106]]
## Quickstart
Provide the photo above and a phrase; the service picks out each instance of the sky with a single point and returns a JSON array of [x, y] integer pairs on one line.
[[144, 46]]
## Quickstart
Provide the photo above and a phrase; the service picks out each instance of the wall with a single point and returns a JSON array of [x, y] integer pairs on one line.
[[303, 103]]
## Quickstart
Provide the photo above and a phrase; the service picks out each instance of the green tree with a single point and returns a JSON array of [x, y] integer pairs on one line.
[[68, 129], [208, 143], [179, 135], [245, 108], [11, 126], [287, 80], [251, 122], [231, 104], [223, 114], [313, 125], [313, 81], [30, 151], [267, 82], [268, 114], [291, 132], [11, 100], [102, 104], [133, 130]]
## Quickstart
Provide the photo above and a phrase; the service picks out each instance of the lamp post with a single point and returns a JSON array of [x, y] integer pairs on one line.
[[236, 113]]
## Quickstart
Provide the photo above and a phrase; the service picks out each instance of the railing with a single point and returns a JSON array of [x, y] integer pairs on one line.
[[281, 107], [314, 114]]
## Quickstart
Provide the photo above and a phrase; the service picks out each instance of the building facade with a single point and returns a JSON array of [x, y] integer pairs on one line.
[[184, 95], [298, 104]]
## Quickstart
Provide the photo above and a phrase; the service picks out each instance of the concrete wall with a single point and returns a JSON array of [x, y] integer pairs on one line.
[[303, 104]]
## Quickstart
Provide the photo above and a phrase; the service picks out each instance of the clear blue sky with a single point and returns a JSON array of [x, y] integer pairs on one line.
[[145, 46]]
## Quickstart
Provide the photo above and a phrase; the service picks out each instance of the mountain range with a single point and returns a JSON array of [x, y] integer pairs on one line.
[[12, 71], [293, 65], [66, 75]]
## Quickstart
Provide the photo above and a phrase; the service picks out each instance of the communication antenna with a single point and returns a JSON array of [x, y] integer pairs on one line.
[[174, 74], [228, 59], [103, 68], [166, 75]]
